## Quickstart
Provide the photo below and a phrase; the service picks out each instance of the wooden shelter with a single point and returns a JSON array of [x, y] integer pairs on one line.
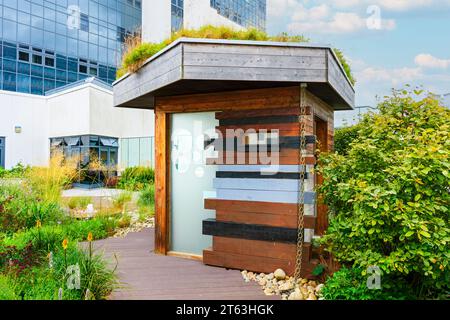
[[237, 204]]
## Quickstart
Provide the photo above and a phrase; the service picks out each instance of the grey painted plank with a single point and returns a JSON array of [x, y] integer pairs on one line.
[[257, 184], [254, 60], [254, 49], [264, 196], [254, 74]]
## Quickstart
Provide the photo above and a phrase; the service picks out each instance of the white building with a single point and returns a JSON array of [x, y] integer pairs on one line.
[[160, 18], [65, 117], [30, 122]]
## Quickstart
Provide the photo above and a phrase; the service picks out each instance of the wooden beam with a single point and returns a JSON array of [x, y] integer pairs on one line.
[[249, 231], [162, 186]]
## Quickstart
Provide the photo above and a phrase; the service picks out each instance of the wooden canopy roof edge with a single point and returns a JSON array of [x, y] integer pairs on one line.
[[178, 69]]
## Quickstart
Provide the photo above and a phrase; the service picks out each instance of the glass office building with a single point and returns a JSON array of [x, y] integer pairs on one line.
[[247, 13], [177, 13], [46, 44]]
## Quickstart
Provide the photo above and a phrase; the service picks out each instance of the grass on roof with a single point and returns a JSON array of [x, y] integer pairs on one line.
[[137, 52]]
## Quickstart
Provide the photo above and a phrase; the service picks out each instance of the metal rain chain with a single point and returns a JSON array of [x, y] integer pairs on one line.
[[302, 168]]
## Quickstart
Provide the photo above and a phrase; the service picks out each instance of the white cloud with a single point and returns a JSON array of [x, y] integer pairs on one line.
[[320, 19], [429, 61], [393, 77]]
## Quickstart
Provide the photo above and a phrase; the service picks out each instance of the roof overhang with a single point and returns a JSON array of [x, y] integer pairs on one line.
[[190, 66]]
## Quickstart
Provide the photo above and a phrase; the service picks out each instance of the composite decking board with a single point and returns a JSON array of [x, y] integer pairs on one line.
[[259, 175], [278, 219], [213, 227], [145, 275], [265, 195]]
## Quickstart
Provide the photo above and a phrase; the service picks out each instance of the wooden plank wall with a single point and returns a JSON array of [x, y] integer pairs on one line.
[[256, 211], [249, 191]]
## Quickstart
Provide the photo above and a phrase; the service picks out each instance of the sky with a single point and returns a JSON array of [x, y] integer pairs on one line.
[[389, 43]]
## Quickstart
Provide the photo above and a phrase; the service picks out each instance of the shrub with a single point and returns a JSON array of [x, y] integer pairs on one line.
[[343, 137], [21, 208], [18, 171], [389, 198], [136, 178], [47, 182], [137, 53], [351, 284], [7, 291], [147, 196], [78, 202]]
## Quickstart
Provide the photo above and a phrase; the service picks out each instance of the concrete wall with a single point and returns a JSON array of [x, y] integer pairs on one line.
[[156, 18], [30, 147], [87, 109]]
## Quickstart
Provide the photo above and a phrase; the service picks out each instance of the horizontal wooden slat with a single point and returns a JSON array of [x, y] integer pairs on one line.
[[254, 263], [259, 175], [272, 98], [213, 227], [252, 206], [271, 219], [261, 113], [250, 161], [265, 195], [258, 120], [264, 169], [283, 142], [255, 248], [262, 183]]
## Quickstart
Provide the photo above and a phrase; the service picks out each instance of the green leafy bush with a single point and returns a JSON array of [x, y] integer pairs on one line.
[[136, 178], [43, 283], [137, 53], [351, 284], [7, 291], [343, 137], [18, 171], [78, 202], [21, 208], [389, 198]]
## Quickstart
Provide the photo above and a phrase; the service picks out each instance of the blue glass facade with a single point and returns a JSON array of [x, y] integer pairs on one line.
[[247, 13], [177, 14], [46, 44]]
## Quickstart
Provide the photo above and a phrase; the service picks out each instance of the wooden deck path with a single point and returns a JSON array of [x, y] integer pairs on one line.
[[145, 275]]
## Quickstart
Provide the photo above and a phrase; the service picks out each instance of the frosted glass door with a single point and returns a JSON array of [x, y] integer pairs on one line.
[[191, 180]]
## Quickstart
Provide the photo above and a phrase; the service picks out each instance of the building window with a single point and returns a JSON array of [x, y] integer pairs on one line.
[[84, 22], [24, 56], [83, 69], [37, 59], [50, 62], [89, 149], [247, 13], [177, 15]]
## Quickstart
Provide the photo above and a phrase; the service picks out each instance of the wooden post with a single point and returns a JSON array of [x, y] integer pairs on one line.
[[162, 166]]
